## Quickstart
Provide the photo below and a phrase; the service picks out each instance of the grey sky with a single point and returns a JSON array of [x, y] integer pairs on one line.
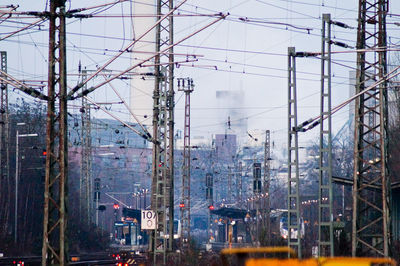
[[263, 28]]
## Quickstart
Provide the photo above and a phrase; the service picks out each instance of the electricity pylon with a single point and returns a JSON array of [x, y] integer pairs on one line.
[[371, 187]]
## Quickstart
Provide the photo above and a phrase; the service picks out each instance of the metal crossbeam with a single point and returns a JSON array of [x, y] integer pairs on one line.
[[293, 157], [54, 251], [371, 220], [325, 228]]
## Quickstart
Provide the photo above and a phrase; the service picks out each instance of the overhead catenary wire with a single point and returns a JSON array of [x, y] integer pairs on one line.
[[22, 86], [129, 109], [80, 85], [284, 55], [35, 23], [316, 120], [146, 136], [140, 63]]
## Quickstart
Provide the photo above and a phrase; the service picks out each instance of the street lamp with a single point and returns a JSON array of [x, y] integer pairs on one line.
[[17, 175]]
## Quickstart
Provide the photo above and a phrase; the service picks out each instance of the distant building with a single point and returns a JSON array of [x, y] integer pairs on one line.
[[142, 82], [225, 147]]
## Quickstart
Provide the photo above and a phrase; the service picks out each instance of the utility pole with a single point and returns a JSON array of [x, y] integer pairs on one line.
[[371, 213], [86, 159], [267, 181], [239, 182], [163, 131], [229, 196], [187, 88], [5, 182], [325, 215], [210, 201], [55, 247], [293, 157], [256, 198]]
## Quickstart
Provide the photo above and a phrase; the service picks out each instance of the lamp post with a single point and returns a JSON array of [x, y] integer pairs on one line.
[[17, 175]]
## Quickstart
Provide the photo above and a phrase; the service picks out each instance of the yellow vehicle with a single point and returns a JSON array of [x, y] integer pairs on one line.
[[278, 256]]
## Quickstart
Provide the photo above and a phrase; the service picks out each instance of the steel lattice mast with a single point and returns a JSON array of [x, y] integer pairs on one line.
[[371, 188], [54, 251], [187, 88], [5, 199], [163, 132], [325, 228], [86, 160], [266, 185], [293, 156]]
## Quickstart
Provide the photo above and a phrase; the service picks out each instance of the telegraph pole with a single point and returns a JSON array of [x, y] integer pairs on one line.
[[293, 157], [86, 159], [267, 181], [4, 145], [163, 131], [371, 187], [325, 215], [186, 85], [55, 248]]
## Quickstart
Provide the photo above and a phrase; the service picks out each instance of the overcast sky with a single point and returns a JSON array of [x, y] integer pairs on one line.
[[247, 51]]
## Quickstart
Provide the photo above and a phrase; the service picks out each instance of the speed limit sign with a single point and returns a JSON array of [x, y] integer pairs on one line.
[[149, 220]]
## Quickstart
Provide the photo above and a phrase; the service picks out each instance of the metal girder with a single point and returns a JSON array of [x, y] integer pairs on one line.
[[371, 214], [293, 157], [325, 228], [5, 198], [54, 250], [163, 132], [86, 159], [187, 88]]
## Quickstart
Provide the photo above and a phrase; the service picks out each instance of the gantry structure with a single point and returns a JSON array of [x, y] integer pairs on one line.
[[371, 187]]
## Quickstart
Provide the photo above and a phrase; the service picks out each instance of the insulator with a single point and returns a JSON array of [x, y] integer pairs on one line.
[[340, 24]]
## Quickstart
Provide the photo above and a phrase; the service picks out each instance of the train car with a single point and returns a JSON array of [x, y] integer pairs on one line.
[[279, 226], [128, 234]]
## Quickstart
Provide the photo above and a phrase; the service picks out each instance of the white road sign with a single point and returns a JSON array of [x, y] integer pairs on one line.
[[149, 220]]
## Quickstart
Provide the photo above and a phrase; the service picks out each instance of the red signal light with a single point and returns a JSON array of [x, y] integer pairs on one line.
[[116, 206], [181, 205], [211, 207]]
